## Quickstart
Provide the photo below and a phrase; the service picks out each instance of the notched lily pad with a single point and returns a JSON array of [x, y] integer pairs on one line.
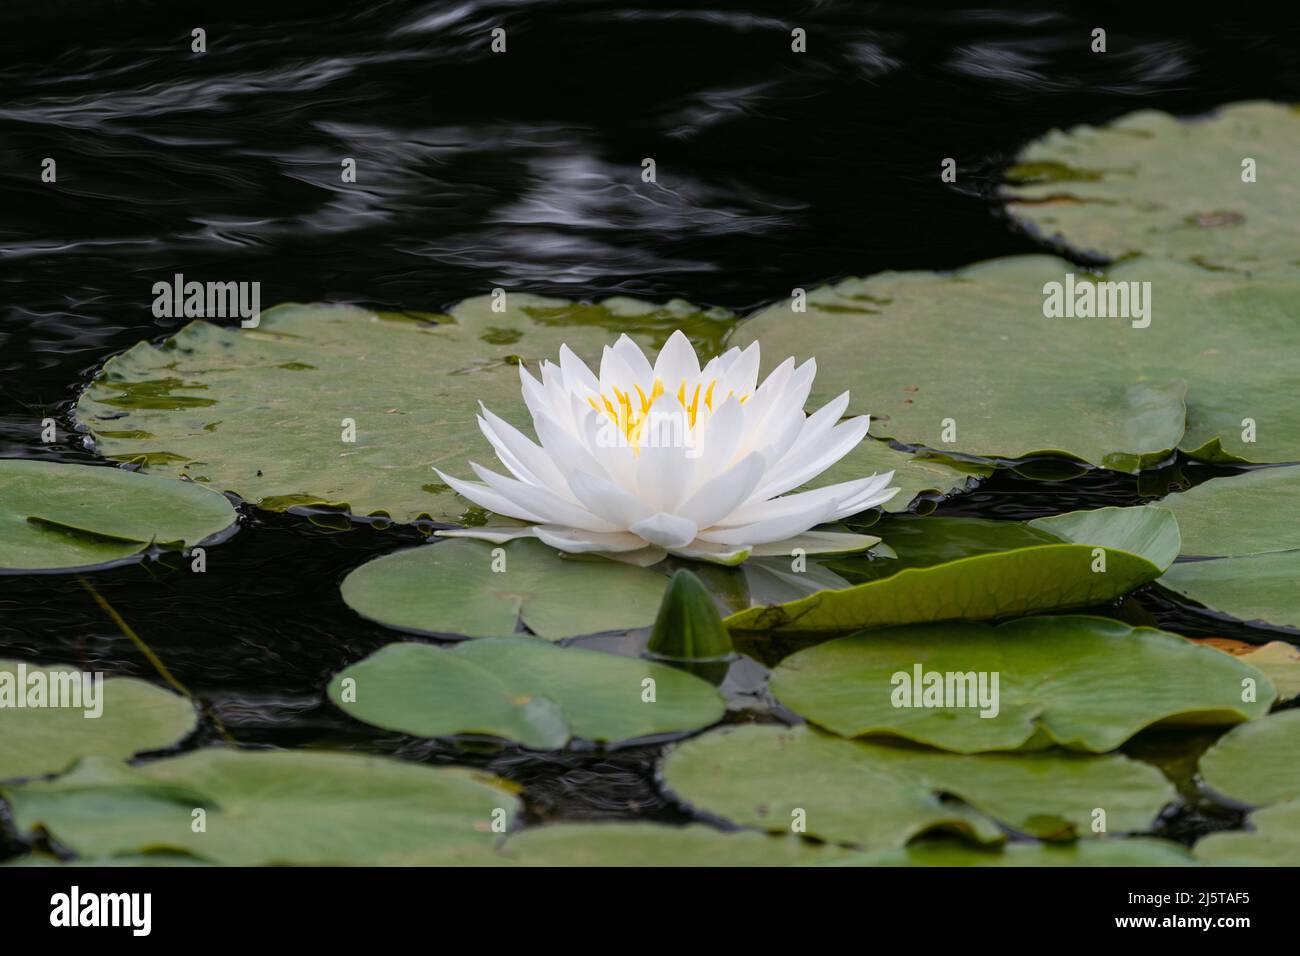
[[1257, 763], [405, 392], [880, 796], [66, 713], [468, 588], [1216, 191], [1247, 523], [1132, 851], [524, 690], [262, 807], [651, 844], [60, 517], [1273, 840], [1084, 683], [1002, 378]]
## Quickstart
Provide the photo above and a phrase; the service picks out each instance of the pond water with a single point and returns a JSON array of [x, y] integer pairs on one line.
[[520, 170]]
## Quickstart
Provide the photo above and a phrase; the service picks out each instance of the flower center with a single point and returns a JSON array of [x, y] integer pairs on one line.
[[629, 410]]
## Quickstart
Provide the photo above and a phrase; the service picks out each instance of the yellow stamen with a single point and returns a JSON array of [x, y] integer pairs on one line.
[[630, 416]]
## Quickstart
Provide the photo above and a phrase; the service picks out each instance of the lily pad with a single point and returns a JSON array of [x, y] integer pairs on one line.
[[467, 588], [879, 796], [1004, 381], [1150, 183], [983, 572], [1257, 763], [1084, 683], [1277, 660], [262, 412], [1273, 840], [1248, 524], [269, 807], [58, 517], [133, 717], [524, 690], [1132, 851], [650, 844]]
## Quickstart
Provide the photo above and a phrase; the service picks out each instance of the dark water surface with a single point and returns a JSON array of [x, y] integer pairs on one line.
[[519, 170]]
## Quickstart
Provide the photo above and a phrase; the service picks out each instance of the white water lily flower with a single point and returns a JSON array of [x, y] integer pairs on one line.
[[643, 461]]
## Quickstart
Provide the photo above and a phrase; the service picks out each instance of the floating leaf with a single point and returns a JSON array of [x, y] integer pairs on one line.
[[1133, 851], [1257, 763], [265, 807], [263, 412], [968, 364], [1085, 683], [650, 844], [524, 690], [133, 717], [469, 588], [1277, 660], [983, 572], [1273, 840], [1247, 522], [878, 796], [57, 517], [1149, 183]]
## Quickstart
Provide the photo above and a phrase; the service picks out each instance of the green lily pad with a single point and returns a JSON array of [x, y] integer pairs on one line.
[[878, 796], [57, 517], [1249, 513], [1085, 683], [967, 364], [260, 412], [1248, 524], [452, 589], [651, 844], [1257, 763], [1280, 662], [1273, 840], [524, 690], [134, 717], [1258, 587], [1152, 184], [267, 807], [1132, 851], [982, 572], [130, 860]]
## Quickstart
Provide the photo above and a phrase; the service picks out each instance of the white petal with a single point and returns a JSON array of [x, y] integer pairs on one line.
[[832, 495], [576, 372], [566, 451], [817, 542], [578, 541], [717, 441], [489, 498], [677, 362], [607, 500], [642, 559], [843, 438], [699, 550], [867, 499], [551, 507], [720, 496], [774, 529], [486, 533], [631, 353], [525, 459], [667, 531]]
